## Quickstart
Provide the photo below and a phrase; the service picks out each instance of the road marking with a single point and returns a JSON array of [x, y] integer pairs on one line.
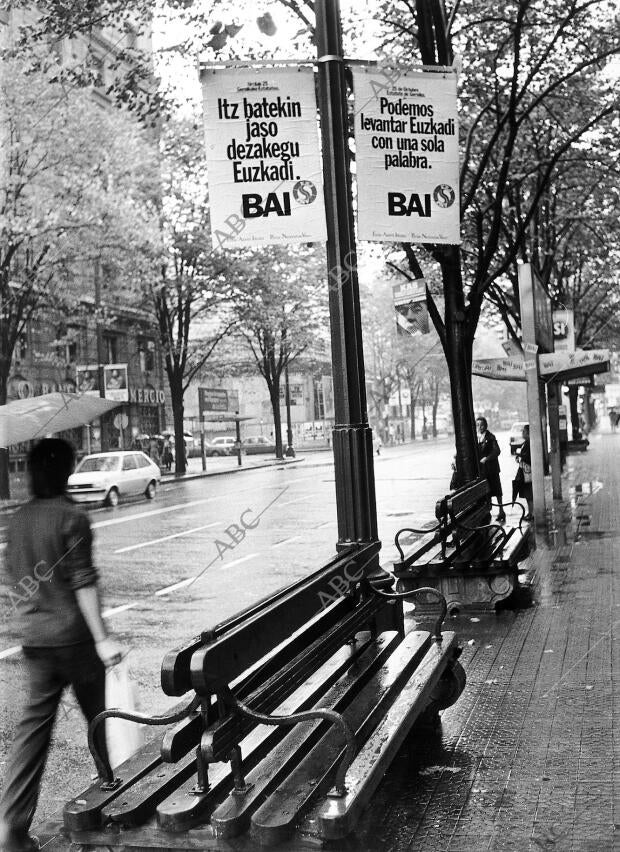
[[152, 514], [10, 652], [174, 586], [286, 541], [297, 500], [239, 561], [166, 538], [108, 612], [325, 524]]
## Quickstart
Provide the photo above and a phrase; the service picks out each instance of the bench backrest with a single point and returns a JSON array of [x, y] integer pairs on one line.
[[468, 497], [222, 654]]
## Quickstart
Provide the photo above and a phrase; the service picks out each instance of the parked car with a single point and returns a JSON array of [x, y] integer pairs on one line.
[[515, 435], [259, 444], [108, 477], [223, 446]]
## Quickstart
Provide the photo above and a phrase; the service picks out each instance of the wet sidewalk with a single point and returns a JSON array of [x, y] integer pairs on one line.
[[530, 754]]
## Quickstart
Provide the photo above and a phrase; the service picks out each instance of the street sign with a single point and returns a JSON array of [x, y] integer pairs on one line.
[[212, 399], [121, 421]]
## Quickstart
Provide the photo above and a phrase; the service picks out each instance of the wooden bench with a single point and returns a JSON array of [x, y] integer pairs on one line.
[[297, 707], [471, 560]]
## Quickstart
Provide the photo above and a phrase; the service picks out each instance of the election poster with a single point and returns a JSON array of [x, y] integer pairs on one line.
[[407, 156], [263, 156]]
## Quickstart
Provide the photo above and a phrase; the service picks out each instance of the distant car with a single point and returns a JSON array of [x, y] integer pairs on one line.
[[515, 436], [258, 444], [108, 477], [224, 446]]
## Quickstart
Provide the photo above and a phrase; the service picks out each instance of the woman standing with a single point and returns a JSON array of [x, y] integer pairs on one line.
[[524, 459], [488, 453]]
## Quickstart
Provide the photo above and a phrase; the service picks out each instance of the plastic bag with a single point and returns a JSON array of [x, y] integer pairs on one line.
[[123, 738]]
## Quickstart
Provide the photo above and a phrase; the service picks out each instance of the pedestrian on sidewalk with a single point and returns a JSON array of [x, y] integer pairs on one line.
[[53, 589], [524, 458], [488, 454]]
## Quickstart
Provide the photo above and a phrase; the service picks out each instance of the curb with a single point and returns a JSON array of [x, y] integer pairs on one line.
[[201, 474]]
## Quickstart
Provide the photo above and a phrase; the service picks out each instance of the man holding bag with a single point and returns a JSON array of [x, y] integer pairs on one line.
[[65, 642]]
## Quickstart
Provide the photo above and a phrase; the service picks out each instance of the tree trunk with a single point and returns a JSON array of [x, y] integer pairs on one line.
[[458, 350], [274, 395], [412, 414], [178, 412], [5, 486]]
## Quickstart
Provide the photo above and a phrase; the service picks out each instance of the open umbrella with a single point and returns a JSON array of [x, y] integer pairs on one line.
[[27, 419]]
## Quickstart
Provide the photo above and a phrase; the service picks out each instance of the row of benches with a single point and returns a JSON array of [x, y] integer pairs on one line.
[[294, 708]]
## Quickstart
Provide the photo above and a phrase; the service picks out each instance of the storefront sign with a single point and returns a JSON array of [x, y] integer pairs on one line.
[[263, 159], [407, 156], [563, 330], [147, 396]]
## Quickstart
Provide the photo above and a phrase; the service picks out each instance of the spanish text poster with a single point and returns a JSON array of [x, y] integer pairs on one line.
[[263, 156], [407, 156]]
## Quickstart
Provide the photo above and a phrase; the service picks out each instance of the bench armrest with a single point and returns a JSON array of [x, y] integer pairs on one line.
[[403, 596], [436, 528], [340, 789], [103, 764]]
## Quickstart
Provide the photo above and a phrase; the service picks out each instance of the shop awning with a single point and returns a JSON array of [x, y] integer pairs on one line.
[[38, 416]]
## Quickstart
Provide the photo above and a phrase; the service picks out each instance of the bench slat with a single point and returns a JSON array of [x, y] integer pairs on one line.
[[84, 811], [277, 817], [337, 817], [233, 816]]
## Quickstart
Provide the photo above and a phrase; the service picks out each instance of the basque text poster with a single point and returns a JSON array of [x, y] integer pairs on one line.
[[407, 156], [263, 156]]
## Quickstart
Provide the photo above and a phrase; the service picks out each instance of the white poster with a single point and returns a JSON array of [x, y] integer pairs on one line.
[[263, 156], [407, 156], [115, 382], [508, 369]]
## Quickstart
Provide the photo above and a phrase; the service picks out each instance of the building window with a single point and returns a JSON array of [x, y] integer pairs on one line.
[[67, 346], [110, 349], [146, 350]]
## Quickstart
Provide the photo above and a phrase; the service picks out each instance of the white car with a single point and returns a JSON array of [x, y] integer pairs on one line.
[[515, 437], [106, 477]]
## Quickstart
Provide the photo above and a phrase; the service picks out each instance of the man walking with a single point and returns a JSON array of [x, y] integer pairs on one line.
[[488, 453], [55, 596]]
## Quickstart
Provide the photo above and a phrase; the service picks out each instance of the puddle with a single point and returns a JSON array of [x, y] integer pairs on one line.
[[595, 534]]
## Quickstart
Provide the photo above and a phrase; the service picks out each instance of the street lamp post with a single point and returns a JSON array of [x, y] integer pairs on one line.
[[353, 458], [289, 452]]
